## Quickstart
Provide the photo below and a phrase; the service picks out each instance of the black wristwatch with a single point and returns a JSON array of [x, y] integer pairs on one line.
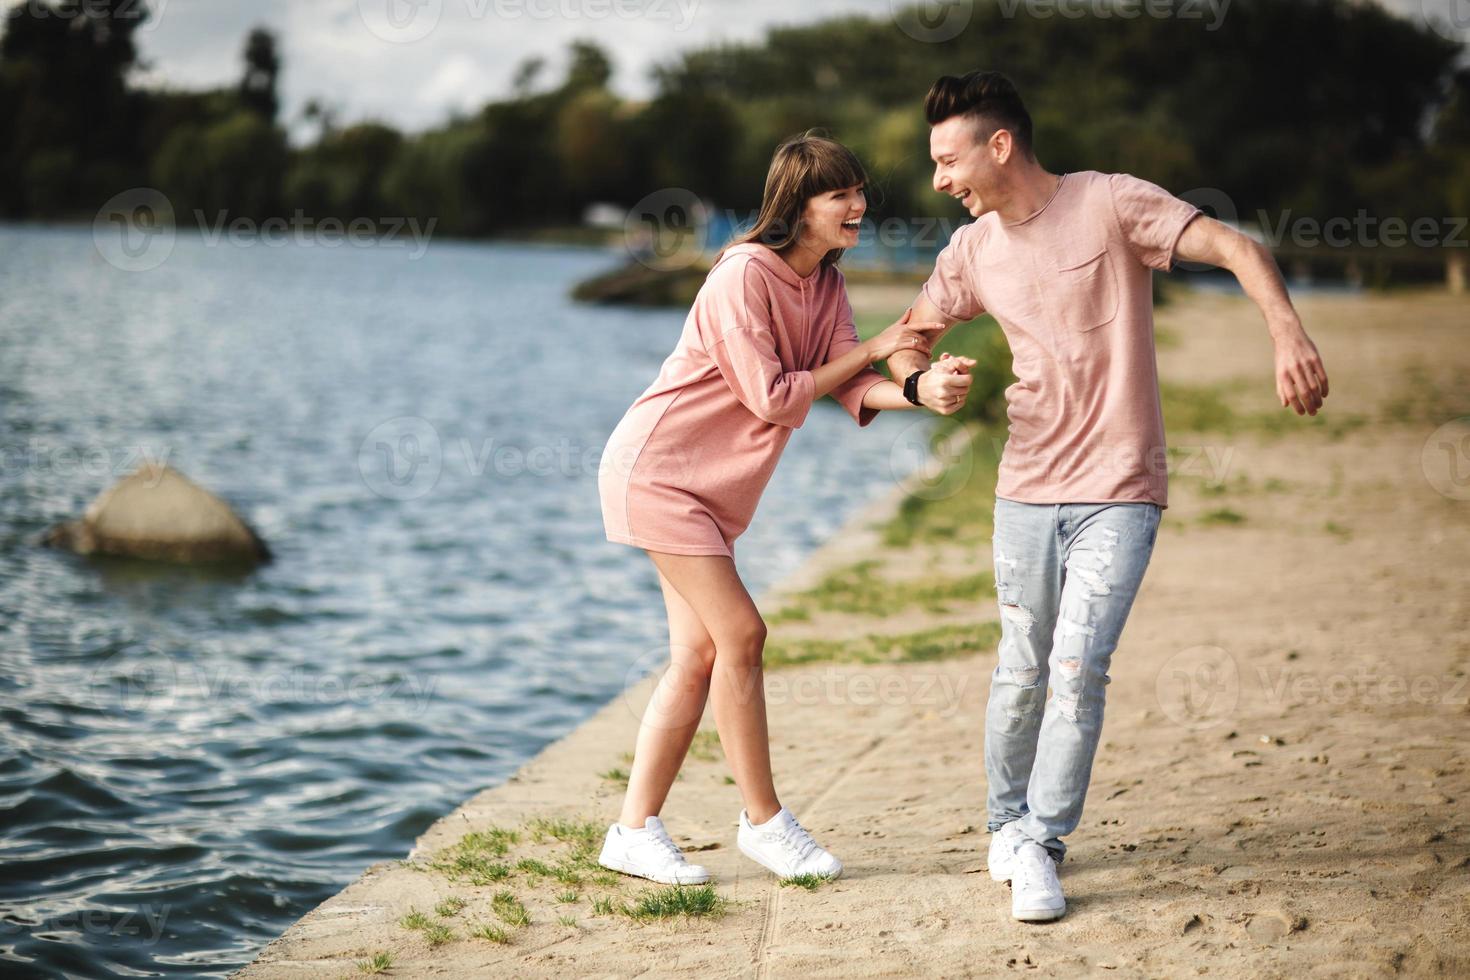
[[911, 387]]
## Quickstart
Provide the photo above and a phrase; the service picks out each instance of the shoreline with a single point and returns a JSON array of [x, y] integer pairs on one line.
[[1301, 817]]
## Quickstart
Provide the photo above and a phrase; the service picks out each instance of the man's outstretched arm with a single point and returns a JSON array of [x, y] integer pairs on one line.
[[945, 388], [1301, 380]]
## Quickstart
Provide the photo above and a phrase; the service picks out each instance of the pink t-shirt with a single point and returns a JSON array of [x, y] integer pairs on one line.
[[684, 469], [1071, 286]]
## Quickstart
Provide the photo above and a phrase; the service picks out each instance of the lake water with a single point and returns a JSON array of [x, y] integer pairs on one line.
[[193, 761]]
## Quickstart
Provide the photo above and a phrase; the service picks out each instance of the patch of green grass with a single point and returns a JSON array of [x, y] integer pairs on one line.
[[811, 882], [1209, 408], [604, 905], [706, 745], [450, 907], [510, 910], [380, 962], [677, 901], [1222, 515], [534, 868], [567, 920], [568, 897], [617, 775], [1332, 527], [939, 643], [437, 934], [956, 506], [565, 830], [493, 933], [415, 920], [857, 589], [729, 780]]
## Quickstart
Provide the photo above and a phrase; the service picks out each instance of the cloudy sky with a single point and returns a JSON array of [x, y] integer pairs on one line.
[[412, 62]]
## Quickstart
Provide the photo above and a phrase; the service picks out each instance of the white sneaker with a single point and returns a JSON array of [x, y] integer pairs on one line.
[[649, 853], [1036, 892], [1002, 860], [783, 846]]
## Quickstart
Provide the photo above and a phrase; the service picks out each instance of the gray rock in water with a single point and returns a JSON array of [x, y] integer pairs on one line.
[[160, 514]]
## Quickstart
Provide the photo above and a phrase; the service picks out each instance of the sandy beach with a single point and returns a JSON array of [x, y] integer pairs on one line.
[[1281, 786]]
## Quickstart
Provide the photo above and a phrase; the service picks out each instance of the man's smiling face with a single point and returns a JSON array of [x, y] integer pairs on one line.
[[964, 167]]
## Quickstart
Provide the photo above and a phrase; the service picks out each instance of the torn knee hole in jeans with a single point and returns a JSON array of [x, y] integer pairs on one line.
[[1068, 704], [1025, 676], [1071, 666], [1017, 615]]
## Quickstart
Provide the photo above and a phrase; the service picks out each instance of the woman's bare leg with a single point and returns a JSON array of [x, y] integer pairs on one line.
[[673, 714], [715, 595]]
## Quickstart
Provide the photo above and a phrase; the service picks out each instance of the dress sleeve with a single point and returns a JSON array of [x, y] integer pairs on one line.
[[739, 339], [849, 394], [1150, 218], [951, 287]]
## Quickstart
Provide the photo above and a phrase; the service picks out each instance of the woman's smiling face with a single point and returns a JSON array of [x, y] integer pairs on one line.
[[832, 219]]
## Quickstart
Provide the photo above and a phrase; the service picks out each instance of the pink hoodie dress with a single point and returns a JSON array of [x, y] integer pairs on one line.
[[684, 469]]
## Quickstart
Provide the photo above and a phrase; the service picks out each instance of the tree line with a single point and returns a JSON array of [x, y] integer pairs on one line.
[[1317, 107]]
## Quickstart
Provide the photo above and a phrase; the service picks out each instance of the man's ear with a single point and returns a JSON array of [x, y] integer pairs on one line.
[[1001, 145]]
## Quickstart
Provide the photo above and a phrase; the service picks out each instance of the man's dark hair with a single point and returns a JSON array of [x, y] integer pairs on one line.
[[986, 97]]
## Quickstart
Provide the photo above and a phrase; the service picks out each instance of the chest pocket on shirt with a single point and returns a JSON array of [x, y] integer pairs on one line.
[[1084, 295]]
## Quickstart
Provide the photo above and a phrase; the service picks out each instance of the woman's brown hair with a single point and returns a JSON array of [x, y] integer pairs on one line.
[[801, 168]]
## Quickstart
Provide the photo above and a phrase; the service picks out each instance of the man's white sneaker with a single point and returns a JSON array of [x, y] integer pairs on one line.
[[1002, 860], [1036, 892], [649, 853], [783, 846]]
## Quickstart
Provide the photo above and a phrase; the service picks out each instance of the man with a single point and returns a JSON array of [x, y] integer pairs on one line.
[[1064, 264]]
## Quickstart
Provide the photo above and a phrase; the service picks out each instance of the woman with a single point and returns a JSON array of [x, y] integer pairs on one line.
[[771, 330]]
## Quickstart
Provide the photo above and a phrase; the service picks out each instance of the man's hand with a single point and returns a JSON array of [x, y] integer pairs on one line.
[[1301, 380], [945, 386]]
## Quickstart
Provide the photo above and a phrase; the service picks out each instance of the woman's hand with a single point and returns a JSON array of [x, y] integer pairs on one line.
[[904, 335]]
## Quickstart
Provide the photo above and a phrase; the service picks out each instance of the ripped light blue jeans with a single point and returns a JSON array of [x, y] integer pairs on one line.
[[1065, 578]]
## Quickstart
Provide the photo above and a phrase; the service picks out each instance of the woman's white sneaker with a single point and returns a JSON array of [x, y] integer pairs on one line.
[[783, 846], [649, 853], [1002, 859], [1036, 892]]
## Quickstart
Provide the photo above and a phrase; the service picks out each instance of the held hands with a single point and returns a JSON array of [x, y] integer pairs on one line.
[[945, 386], [904, 335], [1301, 380]]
